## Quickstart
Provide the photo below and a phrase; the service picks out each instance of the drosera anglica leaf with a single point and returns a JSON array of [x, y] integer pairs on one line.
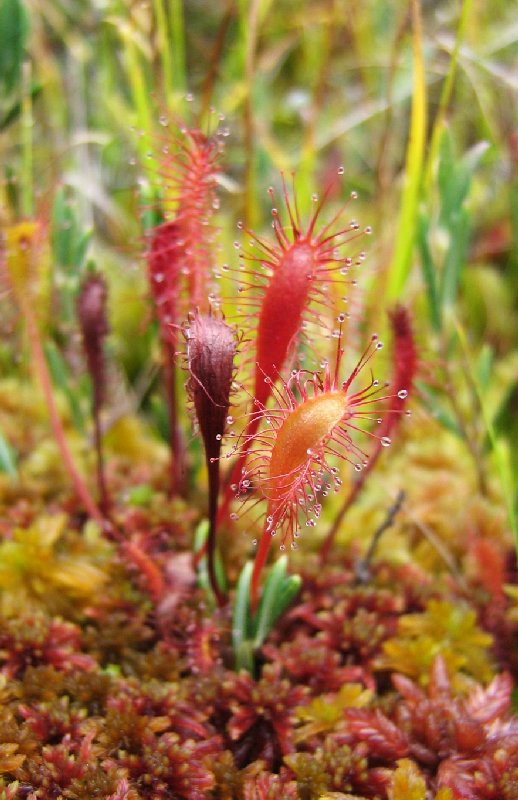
[[404, 368], [286, 283], [315, 420]]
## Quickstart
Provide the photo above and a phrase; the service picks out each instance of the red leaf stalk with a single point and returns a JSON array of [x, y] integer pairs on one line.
[[299, 265], [404, 370], [91, 311], [211, 347]]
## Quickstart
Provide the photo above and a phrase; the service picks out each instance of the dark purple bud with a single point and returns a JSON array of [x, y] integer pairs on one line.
[[91, 310], [211, 347]]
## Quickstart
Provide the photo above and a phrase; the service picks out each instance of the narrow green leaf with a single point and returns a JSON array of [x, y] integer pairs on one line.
[[455, 177], [406, 230], [265, 617], [243, 648], [429, 273], [484, 366], [447, 89], [455, 257], [13, 113], [7, 460], [289, 590], [434, 406], [14, 29], [499, 446]]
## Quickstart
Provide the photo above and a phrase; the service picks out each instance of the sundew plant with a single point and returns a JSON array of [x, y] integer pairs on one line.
[[258, 388]]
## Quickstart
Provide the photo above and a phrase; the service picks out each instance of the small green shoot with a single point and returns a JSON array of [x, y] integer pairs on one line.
[[249, 632]]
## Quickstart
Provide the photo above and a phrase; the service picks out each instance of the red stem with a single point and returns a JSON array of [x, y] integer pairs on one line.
[[104, 500], [40, 364]]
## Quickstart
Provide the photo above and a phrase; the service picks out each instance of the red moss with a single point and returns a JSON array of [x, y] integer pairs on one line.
[[32, 640], [262, 715]]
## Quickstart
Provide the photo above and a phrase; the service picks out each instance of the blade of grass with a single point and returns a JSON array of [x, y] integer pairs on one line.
[[508, 480], [407, 223], [249, 13], [163, 38], [140, 92], [429, 272], [7, 460], [179, 72], [27, 189], [445, 97]]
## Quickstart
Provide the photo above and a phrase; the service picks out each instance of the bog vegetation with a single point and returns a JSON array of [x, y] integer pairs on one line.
[[258, 498]]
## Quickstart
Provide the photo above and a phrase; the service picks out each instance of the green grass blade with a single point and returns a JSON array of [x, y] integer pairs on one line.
[[7, 459], [401, 262], [266, 613], [429, 273], [499, 447], [242, 644], [445, 97]]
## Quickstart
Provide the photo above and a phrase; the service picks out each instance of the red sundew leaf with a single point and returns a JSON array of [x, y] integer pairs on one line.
[[385, 739], [180, 256], [404, 372], [164, 258], [281, 287], [317, 418]]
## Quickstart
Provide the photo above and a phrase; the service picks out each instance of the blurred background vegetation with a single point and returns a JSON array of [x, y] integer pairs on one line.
[[417, 100]]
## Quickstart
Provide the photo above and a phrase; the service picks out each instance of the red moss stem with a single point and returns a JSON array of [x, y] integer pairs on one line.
[[146, 566]]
